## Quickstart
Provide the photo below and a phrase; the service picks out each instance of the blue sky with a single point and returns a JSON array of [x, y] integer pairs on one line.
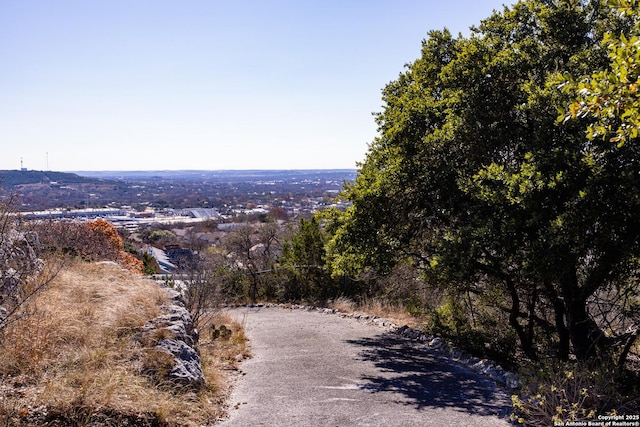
[[205, 84]]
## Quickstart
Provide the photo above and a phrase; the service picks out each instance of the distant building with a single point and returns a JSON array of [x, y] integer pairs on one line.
[[202, 213], [76, 213], [229, 226], [145, 214]]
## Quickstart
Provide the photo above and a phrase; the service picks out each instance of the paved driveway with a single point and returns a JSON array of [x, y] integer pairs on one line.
[[314, 369]]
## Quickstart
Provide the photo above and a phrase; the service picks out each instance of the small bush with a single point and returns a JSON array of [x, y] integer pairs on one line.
[[93, 241], [560, 392], [479, 333], [450, 318]]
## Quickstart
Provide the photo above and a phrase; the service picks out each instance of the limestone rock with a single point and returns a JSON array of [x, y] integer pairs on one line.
[[187, 370], [178, 337]]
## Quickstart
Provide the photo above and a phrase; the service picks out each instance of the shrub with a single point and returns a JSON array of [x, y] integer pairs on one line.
[[474, 328], [554, 393], [93, 241]]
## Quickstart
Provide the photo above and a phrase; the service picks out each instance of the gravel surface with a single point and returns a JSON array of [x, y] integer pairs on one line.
[[313, 369]]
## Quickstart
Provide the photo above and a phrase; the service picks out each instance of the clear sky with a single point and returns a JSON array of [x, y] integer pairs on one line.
[[205, 84]]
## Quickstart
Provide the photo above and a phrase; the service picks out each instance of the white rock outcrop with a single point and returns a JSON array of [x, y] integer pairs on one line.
[[180, 339]]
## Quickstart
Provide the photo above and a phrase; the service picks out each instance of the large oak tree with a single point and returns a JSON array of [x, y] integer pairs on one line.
[[474, 179]]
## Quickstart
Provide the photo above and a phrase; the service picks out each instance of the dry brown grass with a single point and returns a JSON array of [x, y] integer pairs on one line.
[[393, 312], [73, 359], [223, 353]]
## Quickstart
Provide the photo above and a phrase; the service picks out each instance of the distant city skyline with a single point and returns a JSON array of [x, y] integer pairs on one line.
[[205, 84]]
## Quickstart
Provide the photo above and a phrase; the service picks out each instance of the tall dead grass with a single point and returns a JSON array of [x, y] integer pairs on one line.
[[73, 358], [379, 307]]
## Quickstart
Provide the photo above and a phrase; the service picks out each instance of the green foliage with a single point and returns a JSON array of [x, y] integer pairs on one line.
[[254, 248], [149, 264], [473, 329], [303, 257], [129, 248], [158, 237], [473, 179], [612, 95], [450, 318], [306, 246]]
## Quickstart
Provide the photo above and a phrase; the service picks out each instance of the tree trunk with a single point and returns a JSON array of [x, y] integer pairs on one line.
[[525, 341], [253, 291], [559, 314], [584, 332]]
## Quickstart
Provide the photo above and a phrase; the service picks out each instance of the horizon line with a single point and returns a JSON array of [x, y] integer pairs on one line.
[[179, 170]]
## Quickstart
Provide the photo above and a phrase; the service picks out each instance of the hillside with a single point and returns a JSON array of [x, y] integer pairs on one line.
[[12, 178], [74, 359]]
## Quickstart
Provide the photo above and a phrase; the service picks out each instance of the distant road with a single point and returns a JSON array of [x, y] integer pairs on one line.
[[313, 369]]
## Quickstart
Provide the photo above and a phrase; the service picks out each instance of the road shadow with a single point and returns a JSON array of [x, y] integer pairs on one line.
[[426, 378]]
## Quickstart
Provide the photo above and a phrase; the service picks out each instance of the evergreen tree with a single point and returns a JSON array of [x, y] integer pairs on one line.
[[474, 179]]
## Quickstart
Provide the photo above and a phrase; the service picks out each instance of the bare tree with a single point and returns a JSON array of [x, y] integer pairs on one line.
[[203, 281], [23, 270], [255, 249]]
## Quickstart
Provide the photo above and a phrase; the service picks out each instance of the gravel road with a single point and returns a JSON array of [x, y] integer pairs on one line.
[[314, 369]]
